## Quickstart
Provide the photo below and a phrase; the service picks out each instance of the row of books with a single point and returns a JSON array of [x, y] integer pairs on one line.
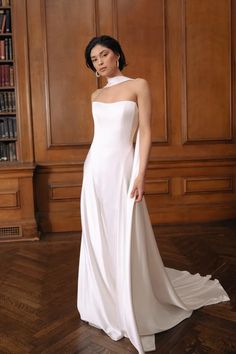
[[5, 2], [5, 21], [6, 75], [7, 101], [8, 127], [8, 151], [6, 49]]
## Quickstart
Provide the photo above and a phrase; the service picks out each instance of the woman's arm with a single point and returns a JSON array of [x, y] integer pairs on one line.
[[144, 104]]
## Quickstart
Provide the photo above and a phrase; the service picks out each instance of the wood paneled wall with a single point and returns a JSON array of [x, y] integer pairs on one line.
[[186, 50]]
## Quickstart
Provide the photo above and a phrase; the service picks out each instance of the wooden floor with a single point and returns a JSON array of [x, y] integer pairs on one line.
[[38, 289]]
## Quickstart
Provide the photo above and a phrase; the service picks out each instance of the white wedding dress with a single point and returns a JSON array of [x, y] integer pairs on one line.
[[123, 287]]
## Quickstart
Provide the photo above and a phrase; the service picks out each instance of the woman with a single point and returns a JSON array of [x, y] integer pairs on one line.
[[123, 286]]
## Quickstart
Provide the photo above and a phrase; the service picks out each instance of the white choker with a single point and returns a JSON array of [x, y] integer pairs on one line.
[[116, 80]]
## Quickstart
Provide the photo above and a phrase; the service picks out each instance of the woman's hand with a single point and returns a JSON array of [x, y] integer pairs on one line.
[[138, 189]]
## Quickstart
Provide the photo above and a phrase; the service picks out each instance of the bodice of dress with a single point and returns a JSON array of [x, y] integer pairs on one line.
[[115, 124]]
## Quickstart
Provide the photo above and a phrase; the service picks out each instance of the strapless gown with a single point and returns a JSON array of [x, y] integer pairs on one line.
[[123, 286]]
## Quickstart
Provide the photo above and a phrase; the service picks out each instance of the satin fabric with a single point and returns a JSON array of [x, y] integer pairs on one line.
[[123, 286]]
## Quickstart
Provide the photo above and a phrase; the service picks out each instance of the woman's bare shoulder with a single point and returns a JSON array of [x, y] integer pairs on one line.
[[141, 84], [140, 81]]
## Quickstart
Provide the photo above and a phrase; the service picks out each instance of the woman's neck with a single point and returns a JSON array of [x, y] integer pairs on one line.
[[115, 80]]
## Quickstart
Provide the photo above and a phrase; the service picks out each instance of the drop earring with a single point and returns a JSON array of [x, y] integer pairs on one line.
[[97, 74], [117, 63]]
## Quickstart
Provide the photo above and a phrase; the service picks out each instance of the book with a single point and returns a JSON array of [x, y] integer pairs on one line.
[[8, 128], [8, 21], [3, 23], [5, 3]]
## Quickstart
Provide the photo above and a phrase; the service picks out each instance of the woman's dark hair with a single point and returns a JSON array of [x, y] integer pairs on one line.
[[107, 42]]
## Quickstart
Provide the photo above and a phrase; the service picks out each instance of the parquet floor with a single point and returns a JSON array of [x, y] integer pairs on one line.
[[38, 289]]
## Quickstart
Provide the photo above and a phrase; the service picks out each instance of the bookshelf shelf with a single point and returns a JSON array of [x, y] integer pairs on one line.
[[5, 34], [6, 61], [3, 88], [7, 139], [7, 113]]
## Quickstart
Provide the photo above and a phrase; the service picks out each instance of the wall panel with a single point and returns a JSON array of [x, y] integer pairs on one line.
[[207, 74], [58, 33], [186, 51], [147, 57], [68, 109]]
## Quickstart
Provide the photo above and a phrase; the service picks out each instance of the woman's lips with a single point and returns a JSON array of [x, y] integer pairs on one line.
[[102, 69]]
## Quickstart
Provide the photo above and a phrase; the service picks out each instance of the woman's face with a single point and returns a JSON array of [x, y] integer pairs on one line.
[[104, 60]]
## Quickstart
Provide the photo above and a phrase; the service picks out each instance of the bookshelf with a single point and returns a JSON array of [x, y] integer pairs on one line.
[[8, 115], [17, 215]]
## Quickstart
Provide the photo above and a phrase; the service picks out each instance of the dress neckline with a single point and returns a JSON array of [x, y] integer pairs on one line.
[[116, 102], [111, 81]]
